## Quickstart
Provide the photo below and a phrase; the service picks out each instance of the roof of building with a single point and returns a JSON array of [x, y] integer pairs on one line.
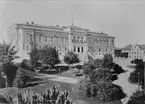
[[73, 27], [142, 46], [127, 47]]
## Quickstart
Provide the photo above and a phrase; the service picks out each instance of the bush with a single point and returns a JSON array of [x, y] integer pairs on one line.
[[99, 74], [106, 91], [98, 63], [116, 68], [50, 96], [137, 98], [107, 61], [10, 72], [25, 64], [136, 61], [88, 68], [102, 90], [21, 80]]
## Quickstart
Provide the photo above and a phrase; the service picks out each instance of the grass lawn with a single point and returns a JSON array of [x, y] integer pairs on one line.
[[6, 92]]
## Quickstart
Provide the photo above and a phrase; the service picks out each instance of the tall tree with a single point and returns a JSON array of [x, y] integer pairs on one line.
[[34, 56], [71, 58], [49, 56], [7, 56], [7, 53], [107, 61]]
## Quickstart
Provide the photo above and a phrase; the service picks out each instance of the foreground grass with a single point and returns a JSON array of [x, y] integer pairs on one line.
[[6, 92]]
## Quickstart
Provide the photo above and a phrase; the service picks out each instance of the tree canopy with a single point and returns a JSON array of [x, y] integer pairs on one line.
[[71, 58]]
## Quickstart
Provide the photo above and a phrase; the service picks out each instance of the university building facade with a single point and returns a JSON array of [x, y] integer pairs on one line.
[[64, 38]]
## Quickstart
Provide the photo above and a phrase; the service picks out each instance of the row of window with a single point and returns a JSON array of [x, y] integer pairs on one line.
[[78, 49], [26, 47], [46, 39], [138, 57]]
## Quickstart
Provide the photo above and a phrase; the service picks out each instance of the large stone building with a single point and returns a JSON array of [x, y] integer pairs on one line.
[[64, 38]]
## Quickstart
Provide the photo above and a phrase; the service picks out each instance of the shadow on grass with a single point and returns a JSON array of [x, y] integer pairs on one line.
[[34, 84], [3, 100], [56, 70]]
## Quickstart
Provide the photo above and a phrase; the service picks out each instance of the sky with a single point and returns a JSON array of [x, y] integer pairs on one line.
[[124, 19]]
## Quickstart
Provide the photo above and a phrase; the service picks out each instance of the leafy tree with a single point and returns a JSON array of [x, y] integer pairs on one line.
[[21, 80], [100, 74], [34, 56], [10, 71], [71, 58], [7, 53], [25, 64], [50, 56], [138, 74], [107, 61]]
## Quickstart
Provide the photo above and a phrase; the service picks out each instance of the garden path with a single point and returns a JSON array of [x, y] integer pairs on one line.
[[122, 81]]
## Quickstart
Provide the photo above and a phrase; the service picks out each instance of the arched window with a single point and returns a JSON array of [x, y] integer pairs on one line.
[[78, 49], [74, 48], [27, 47], [23, 46], [82, 49]]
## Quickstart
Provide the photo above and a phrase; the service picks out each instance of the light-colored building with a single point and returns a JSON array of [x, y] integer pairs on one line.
[[64, 38], [135, 51]]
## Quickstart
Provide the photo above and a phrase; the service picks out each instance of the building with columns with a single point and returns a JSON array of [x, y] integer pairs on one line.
[[64, 38]]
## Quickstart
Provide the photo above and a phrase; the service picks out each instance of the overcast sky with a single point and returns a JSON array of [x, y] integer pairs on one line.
[[123, 19]]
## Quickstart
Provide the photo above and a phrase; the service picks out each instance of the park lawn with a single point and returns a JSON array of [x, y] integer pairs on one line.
[[6, 92]]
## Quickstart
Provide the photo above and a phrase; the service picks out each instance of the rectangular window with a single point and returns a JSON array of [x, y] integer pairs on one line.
[[82, 49], [23, 46], [74, 48]]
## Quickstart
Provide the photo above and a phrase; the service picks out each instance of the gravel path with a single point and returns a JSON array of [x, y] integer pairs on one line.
[[122, 81]]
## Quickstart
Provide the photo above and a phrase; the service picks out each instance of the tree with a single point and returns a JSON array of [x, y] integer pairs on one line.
[[34, 56], [21, 80], [71, 58], [137, 98], [7, 53], [7, 56], [49, 56], [107, 61]]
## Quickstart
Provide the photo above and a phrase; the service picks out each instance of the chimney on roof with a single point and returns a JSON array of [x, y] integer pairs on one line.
[[102, 32], [27, 23], [57, 25], [32, 22]]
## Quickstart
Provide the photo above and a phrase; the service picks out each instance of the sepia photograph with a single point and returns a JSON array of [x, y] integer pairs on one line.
[[72, 51]]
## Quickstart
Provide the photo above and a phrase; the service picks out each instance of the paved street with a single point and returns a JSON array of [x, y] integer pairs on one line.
[[123, 80]]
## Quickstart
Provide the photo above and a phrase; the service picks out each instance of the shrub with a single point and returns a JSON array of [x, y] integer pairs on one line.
[[88, 68], [21, 80], [10, 72], [71, 58], [107, 61], [99, 74], [25, 64], [98, 63], [102, 90], [50, 96], [84, 88], [116, 68], [106, 91], [136, 61], [137, 98]]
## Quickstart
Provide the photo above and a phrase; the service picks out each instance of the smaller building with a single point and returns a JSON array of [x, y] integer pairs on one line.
[[135, 51]]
